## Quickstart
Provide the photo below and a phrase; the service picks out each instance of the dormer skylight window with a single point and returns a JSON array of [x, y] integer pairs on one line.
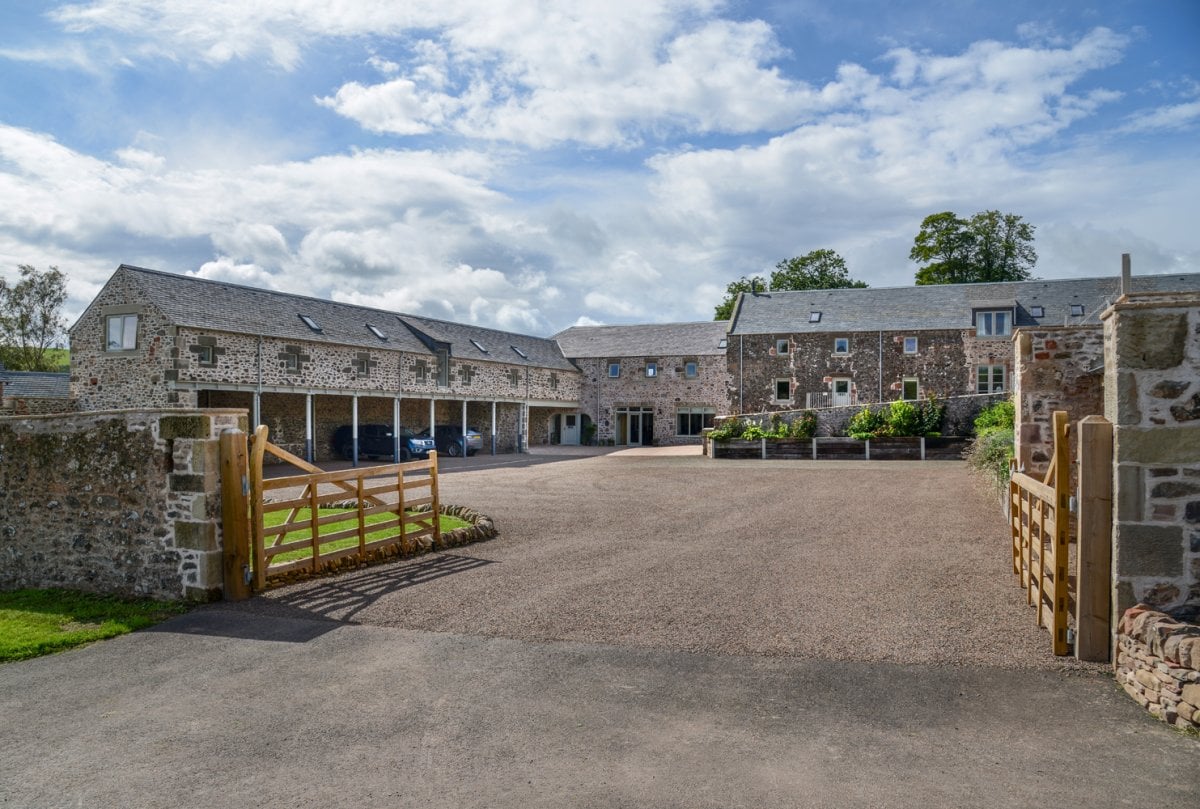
[[312, 324], [724, 343], [1077, 310], [479, 345], [814, 317], [378, 332], [520, 353], [1037, 311]]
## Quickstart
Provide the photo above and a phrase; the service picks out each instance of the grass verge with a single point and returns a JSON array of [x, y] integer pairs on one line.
[[277, 518], [38, 622]]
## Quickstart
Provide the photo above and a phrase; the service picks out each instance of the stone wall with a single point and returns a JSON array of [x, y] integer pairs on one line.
[[1158, 664], [831, 421], [1057, 368], [664, 393], [875, 363], [124, 502], [1152, 397], [36, 405]]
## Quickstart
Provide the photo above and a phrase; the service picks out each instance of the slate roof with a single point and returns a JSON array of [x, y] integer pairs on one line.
[[35, 384], [491, 345], [647, 340], [946, 306]]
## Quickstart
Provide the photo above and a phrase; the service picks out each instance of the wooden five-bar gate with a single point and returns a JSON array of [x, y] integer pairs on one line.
[[326, 516], [1047, 520]]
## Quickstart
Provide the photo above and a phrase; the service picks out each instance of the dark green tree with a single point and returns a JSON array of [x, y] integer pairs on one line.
[[820, 269], [31, 318], [990, 246]]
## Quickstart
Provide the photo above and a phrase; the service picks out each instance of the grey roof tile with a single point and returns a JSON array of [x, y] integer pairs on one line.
[[644, 340], [491, 345], [946, 306], [36, 384]]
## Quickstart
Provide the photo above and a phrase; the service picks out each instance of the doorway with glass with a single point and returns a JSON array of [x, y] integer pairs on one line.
[[635, 426]]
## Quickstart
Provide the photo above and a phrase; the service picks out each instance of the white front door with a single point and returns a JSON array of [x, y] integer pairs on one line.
[[841, 392], [570, 429]]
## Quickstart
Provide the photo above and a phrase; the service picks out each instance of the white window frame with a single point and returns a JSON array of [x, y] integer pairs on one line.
[[614, 370], [841, 341], [776, 386], [291, 361], [691, 370], [1037, 311], [915, 345], [128, 326], [652, 370], [206, 356], [985, 323], [986, 378], [783, 346], [690, 412], [916, 383], [1077, 310]]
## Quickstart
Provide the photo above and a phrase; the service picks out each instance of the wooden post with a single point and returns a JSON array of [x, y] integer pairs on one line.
[[436, 505], [1093, 634], [258, 449], [1062, 527], [235, 514]]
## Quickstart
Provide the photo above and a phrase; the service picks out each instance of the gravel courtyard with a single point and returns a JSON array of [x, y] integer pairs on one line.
[[899, 562]]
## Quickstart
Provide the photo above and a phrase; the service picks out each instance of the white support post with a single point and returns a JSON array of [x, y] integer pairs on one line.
[[396, 430], [464, 427], [493, 426], [432, 419], [308, 428], [354, 430], [256, 410]]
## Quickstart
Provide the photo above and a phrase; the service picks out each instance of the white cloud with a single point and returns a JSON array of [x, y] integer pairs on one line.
[[1171, 117]]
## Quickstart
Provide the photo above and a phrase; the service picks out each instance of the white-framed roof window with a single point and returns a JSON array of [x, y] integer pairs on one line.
[[520, 353], [814, 317], [724, 343], [1037, 311], [479, 345], [312, 324], [910, 345], [378, 332], [1077, 310]]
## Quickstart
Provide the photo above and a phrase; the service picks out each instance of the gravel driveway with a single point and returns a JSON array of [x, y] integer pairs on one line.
[[902, 562]]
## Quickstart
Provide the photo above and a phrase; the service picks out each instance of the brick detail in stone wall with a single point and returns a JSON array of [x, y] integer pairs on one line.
[[1158, 665], [113, 502], [1152, 387], [1057, 369]]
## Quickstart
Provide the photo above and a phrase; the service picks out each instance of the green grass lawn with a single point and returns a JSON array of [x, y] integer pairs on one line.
[[277, 518], [38, 622]]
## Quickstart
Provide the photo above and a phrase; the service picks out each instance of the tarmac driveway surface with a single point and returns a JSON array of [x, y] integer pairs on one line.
[[646, 631]]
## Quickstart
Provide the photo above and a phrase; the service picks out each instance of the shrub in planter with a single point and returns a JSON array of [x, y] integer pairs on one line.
[[992, 449], [728, 430], [865, 423], [803, 425], [930, 415]]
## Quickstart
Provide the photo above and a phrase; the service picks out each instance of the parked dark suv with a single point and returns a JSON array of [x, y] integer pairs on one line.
[[450, 439], [375, 441]]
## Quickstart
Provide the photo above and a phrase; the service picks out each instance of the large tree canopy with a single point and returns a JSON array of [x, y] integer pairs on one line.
[[31, 318], [990, 246], [820, 269]]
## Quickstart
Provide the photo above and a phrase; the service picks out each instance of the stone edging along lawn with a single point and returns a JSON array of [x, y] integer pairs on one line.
[[480, 527]]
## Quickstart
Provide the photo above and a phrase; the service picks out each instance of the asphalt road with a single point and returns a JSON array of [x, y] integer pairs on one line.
[[375, 690]]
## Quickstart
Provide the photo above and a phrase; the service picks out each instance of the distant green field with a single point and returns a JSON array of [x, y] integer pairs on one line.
[[60, 358]]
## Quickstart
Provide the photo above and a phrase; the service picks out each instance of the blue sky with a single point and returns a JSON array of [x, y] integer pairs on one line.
[[534, 165]]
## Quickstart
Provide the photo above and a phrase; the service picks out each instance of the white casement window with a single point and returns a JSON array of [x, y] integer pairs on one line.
[[362, 367], [651, 369], [989, 379], [783, 390], [691, 420], [206, 355], [993, 324], [910, 388], [691, 370], [841, 345], [614, 370], [291, 361], [443, 368], [121, 331], [782, 347], [910, 345]]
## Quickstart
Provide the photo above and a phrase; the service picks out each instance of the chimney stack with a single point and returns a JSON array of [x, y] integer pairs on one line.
[[1126, 275]]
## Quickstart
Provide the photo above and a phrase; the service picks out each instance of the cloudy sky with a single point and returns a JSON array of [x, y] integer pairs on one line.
[[531, 165]]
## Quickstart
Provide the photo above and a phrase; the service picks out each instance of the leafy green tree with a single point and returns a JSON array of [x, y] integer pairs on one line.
[[990, 246], [820, 269], [31, 318]]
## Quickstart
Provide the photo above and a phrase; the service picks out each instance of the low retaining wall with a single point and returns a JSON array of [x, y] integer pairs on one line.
[[1158, 664], [831, 421], [123, 502], [841, 449]]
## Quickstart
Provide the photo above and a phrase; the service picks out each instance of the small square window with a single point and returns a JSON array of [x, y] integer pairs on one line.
[[1037, 311], [514, 377], [291, 361], [993, 324], [814, 317], [1077, 310], [465, 374], [362, 367], [205, 355], [691, 370], [652, 369], [553, 381], [989, 379], [783, 390], [841, 345], [614, 370], [910, 345], [420, 372], [911, 387], [782, 347], [121, 333]]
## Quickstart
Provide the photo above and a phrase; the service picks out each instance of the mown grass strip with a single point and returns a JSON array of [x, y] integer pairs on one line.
[[38, 622], [302, 532]]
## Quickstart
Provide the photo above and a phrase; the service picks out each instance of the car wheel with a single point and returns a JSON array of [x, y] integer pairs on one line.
[[453, 450], [405, 455], [346, 451]]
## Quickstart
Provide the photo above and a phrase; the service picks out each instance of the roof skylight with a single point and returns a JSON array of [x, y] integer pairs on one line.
[[1037, 311], [479, 345], [814, 317], [378, 332], [724, 343], [520, 353], [1076, 310], [312, 324]]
